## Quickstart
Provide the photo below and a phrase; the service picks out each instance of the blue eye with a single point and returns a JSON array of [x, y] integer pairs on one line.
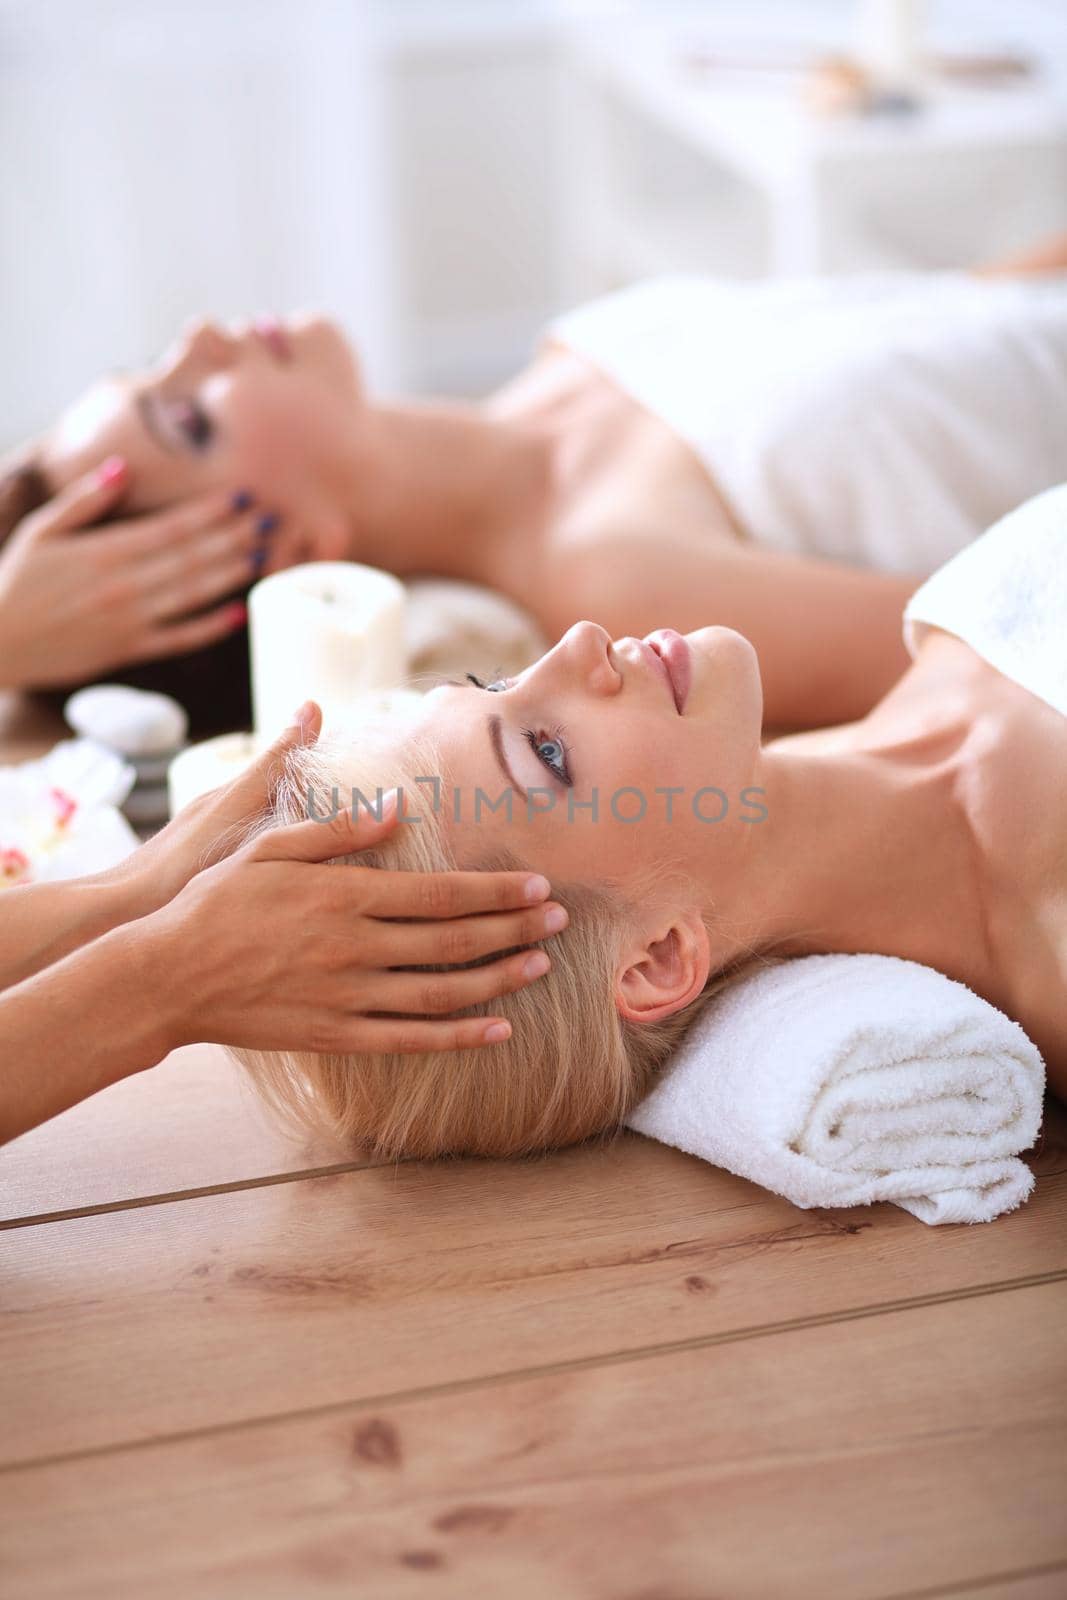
[[548, 748], [551, 751]]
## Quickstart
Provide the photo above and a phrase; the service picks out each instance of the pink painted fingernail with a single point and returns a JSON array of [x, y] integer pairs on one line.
[[111, 470]]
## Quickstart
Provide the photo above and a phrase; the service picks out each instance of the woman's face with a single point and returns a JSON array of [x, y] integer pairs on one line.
[[579, 754], [268, 408]]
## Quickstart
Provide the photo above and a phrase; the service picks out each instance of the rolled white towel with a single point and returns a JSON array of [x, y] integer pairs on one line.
[[842, 1080]]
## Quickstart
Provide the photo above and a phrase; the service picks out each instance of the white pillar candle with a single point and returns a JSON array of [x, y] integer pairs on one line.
[[205, 766], [327, 631]]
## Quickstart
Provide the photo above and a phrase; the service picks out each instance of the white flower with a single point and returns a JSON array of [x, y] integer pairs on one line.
[[59, 815]]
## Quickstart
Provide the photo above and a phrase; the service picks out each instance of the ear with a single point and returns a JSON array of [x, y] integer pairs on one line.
[[667, 972]]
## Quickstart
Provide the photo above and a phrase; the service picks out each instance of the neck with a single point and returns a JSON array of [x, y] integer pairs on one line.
[[866, 848], [440, 488]]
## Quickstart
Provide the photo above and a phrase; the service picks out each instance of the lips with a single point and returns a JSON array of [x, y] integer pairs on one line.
[[274, 337], [674, 653]]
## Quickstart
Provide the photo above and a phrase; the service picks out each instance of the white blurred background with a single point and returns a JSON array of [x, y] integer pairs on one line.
[[443, 175]]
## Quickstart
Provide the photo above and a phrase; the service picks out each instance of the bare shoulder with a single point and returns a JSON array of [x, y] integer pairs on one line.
[[1011, 785]]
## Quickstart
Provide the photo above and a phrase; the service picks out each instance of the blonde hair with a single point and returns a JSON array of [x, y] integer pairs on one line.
[[572, 1068]]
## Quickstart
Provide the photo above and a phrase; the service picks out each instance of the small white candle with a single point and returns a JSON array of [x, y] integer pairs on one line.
[[327, 631], [205, 766]]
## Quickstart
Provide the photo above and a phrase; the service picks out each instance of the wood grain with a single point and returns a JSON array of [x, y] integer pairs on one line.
[[900, 1452], [191, 1123], [244, 1304]]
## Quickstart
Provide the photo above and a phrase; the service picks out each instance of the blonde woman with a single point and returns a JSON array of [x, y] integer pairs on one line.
[[632, 773]]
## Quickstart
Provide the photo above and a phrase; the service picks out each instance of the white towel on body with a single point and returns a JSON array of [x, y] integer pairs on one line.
[[1006, 596], [882, 419], [841, 1080]]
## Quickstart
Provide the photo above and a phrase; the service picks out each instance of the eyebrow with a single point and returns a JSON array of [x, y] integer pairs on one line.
[[147, 416], [496, 739]]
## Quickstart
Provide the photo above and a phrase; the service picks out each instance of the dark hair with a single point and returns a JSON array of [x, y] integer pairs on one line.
[[212, 684]]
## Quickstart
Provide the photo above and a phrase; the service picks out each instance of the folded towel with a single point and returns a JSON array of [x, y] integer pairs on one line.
[[842, 1080]]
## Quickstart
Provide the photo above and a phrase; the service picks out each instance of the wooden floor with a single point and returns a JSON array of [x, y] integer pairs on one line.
[[233, 1366]]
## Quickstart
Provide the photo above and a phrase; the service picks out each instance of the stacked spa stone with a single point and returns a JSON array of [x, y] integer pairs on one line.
[[146, 729]]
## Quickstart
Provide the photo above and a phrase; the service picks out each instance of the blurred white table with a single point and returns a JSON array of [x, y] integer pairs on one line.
[[773, 187]]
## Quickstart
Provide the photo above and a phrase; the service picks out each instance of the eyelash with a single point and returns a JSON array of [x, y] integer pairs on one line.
[[535, 737], [195, 424]]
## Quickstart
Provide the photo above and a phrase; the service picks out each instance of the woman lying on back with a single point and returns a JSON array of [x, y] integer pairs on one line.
[[631, 773], [789, 459]]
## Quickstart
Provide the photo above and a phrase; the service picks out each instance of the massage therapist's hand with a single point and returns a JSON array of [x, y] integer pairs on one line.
[[208, 828], [75, 603], [275, 949]]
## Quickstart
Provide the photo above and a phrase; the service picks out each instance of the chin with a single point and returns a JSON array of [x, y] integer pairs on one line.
[[320, 342], [728, 666], [724, 644]]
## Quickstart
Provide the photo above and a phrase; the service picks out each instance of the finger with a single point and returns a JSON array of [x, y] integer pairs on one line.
[[81, 503], [408, 1036], [326, 835], [193, 591], [179, 638], [198, 553], [450, 943], [287, 547], [451, 894], [257, 779], [158, 532], [189, 517], [309, 720], [441, 993]]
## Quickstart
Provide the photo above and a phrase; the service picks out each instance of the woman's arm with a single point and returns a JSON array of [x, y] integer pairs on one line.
[[91, 1019], [43, 922], [828, 636]]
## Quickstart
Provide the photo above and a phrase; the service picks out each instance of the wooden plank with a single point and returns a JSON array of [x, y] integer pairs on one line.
[[193, 1122], [914, 1451], [249, 1303]]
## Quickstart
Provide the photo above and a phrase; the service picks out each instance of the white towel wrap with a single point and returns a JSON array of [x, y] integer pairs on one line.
[[842, 1080]]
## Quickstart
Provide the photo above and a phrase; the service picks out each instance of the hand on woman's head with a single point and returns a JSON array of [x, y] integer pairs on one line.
[[271, 409], [143, 588], [629, 972]]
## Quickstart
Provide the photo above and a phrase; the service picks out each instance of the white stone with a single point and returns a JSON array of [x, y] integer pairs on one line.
[[135, 722]]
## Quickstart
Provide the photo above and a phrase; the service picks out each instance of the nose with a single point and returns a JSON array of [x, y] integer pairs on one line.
[[584, 652], [204, 342]]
